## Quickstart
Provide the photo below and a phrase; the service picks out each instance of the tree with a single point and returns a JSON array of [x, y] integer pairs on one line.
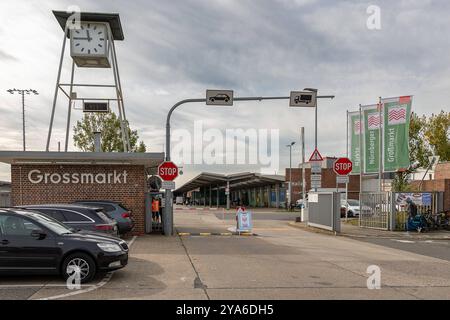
[[419, 149], [437, 134], [427, 136], [109, 126]]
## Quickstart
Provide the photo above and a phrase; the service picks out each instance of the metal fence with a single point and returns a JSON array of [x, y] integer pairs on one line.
[[375, 210], [427, 202], [389, 210]]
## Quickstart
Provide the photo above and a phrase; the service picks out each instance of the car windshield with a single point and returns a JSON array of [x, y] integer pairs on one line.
[[48, 222], [353, 203]]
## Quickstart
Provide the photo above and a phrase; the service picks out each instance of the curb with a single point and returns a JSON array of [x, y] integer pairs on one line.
[[349, 235], [206, 234]]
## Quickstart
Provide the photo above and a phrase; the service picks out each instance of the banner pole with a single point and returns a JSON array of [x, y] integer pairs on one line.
[[346, 184], [360, 163], [380, 142]]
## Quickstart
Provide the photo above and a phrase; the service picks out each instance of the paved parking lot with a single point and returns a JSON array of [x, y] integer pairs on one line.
[[282, 262]]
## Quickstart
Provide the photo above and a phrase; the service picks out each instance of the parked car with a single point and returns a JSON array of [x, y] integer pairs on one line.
[[34, 243], [79, 217], [115, 210], [353, 208]]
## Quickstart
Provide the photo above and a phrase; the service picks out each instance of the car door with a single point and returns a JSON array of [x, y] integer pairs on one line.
[[22, 251]]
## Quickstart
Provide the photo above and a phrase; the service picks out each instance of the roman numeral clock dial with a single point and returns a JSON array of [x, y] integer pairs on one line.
[[89, 44]]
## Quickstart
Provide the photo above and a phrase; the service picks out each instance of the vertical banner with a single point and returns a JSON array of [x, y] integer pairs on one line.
[[372, 125], [354, 134], [397, 113]]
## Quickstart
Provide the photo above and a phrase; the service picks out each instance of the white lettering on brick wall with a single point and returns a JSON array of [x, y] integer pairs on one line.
[[36, 177]]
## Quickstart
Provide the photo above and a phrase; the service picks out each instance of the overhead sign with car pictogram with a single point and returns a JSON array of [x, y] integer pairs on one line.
[[219, 97], [303, 99]]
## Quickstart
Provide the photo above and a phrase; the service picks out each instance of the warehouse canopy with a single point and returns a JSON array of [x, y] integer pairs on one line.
[[237, 181]]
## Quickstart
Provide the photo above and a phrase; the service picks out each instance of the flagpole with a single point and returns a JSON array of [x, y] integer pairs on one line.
[[360, 164], [346, 184], [380, 142]]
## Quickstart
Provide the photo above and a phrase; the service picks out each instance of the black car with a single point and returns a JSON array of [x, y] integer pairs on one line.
[[79, 217], [115, 210], [32, 242]]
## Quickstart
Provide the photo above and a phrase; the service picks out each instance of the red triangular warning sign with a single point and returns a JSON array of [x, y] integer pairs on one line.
[[316, 156]]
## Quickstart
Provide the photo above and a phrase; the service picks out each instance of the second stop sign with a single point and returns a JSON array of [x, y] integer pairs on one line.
[[168, 171], [343, 166]]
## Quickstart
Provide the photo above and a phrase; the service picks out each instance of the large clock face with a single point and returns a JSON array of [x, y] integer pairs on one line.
[[90, 39]]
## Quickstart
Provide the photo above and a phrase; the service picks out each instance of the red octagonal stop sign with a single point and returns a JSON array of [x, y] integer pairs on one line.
[[343, 166], [168, 171]]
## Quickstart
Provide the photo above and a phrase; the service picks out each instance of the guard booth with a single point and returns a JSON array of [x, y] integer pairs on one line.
[[324, 210]]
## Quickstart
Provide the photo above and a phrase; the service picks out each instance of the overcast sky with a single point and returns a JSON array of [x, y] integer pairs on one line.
[[176, 49]]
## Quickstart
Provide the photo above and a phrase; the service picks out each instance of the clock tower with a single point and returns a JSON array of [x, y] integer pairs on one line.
[[92, 46]]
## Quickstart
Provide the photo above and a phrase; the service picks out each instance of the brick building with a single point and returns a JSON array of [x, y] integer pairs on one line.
[[64, 177], [328, 180], [441, 182]]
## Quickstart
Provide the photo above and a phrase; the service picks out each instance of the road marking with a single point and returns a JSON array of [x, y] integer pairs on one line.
[[104, 281], [205, 233], [74, 293], [131, 242], [404, 241]]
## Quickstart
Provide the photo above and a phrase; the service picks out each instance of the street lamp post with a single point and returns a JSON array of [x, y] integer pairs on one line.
[[290, 173], [23, 92]]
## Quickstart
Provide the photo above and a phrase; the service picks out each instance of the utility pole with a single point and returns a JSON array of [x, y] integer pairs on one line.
[[303, 176], [23, 92], [290, 174]]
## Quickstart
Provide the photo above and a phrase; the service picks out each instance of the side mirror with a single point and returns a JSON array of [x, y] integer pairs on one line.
[[38, 234]]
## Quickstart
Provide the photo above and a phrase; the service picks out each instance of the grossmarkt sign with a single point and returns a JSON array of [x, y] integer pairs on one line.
[[113, 177], [397, 112], [355, 135]]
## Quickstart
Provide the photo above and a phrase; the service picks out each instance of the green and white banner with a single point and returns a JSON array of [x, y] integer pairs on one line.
[[355, 143], [372, 125], [397, 113]]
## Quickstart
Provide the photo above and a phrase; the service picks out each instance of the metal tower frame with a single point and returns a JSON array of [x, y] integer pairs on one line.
[[70, 95]]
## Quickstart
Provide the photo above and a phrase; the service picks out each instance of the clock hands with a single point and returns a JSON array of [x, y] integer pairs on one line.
[[88, 36]]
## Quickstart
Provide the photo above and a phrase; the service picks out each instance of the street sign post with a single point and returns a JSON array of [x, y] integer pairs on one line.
[[219, 97], [316, 169], [343, 166], [168, 171]]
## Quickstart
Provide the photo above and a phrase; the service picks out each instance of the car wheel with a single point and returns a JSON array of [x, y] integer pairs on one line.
[[82, 262], [350, 214], [212, 99]]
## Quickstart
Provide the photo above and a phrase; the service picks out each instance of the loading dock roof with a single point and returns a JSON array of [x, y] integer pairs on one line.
[[237, 181]]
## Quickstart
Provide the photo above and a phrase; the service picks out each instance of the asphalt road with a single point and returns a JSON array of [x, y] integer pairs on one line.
[[282, 262], [432, 248]]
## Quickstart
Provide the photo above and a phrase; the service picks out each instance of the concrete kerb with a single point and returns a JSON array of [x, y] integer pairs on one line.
[[393, 235]]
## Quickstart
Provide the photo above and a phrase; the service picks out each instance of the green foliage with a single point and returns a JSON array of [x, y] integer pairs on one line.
[[437, 133], [419, 149], [111, 139], [427, 137]]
